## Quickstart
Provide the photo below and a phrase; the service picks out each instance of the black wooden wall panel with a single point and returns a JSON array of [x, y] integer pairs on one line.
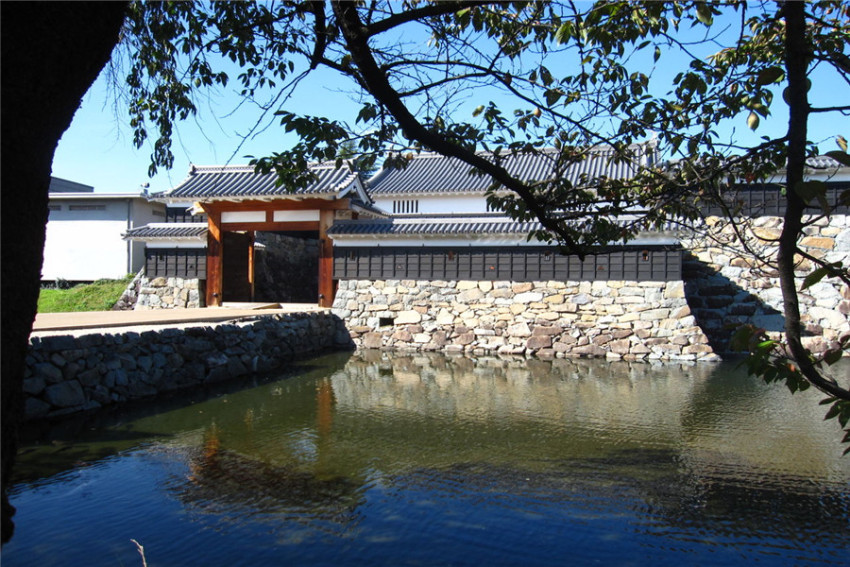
[[657, 263], [176, 263]]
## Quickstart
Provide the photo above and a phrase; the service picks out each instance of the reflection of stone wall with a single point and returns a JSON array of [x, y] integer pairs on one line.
[[493, 388], [67, 374], [286, 269], [614, 319], [169, 293], [726, 285]]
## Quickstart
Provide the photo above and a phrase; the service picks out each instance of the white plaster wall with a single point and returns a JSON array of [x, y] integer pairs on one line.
[[442, 204], [86, 245], [141, 214]]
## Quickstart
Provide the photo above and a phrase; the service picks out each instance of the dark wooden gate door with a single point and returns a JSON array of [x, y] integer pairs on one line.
[[236, 264]]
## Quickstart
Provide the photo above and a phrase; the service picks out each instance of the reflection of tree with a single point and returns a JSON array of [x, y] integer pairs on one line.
[[226, 482]]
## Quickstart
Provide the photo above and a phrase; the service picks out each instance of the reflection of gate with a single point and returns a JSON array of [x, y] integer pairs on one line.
[[237, 284]]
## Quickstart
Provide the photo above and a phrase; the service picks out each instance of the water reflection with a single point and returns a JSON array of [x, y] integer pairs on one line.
[[367, 459]]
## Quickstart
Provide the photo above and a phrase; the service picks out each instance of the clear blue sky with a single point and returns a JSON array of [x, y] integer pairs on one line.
[[97, 149]]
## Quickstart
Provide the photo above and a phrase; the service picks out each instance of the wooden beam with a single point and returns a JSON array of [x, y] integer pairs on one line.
[[270, 226], [215, 250], [326, 260]]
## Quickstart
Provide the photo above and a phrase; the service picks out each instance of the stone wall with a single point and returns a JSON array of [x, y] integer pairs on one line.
[[614, 319], [286, 268], [728, 285], [67, 374], [127, 301], [169, 293]]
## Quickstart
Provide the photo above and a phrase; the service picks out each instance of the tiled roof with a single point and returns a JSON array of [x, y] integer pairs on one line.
[[470, 225], [822, 162], [240, 182], [168, 231], [431, 227], [430, 173]]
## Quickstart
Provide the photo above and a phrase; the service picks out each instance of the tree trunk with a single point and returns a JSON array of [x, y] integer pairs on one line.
[[796, 66], [52, 53]]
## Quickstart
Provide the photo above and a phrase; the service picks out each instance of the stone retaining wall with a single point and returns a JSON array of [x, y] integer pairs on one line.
[[727, 285], [67, 374], [169, 293], [614, 319]]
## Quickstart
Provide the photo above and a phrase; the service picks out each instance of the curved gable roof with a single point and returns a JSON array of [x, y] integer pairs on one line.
[[240, 182]]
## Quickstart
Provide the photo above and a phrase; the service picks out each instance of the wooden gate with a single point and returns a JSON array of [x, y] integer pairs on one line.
[[237, 260]]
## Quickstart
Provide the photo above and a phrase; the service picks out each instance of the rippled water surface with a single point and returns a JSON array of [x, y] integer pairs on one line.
[[380, 459]]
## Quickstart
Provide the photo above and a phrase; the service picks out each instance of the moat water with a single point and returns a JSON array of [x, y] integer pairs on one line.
[[391, 459]]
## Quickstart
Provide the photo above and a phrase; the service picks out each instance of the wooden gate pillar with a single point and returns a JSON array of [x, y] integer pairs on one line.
[[215, 249], [326, 259]]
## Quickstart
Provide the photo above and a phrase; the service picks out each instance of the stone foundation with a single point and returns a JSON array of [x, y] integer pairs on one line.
[[170, 293], [726, 285], [67, 374], [612, 319]]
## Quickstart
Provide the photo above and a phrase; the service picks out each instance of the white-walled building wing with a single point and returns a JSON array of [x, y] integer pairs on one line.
[[83, 239]]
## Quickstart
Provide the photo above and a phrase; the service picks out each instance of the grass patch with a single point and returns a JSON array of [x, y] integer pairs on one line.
[[98, 296]]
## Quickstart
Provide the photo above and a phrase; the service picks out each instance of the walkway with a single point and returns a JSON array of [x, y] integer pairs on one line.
[[91, 321]]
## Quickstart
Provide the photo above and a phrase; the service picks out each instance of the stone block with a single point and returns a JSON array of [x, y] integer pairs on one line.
[[589, 350], [470, 295], [545, 331], [372, 340], [697, 349], [522, 287], [818, 242], [34, 386], [464, 339], [407, 317], [535, 343], [65, 395], [519, 330], [50, 373]]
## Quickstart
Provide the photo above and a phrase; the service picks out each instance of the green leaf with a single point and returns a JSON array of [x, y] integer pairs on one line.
[[552, 96], [842, 143], [810, 190], [753, 120], [840, 157], [769, 75], [657, 54], [815, 277], [704, 14], [564, 32], [832, 356]]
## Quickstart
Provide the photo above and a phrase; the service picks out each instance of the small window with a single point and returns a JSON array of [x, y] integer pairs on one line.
[[406, 206], [157, 213], [87, 207]]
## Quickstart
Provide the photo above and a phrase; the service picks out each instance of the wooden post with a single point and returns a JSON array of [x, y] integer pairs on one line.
[[215, 249], [251, 236], [326, 259]]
